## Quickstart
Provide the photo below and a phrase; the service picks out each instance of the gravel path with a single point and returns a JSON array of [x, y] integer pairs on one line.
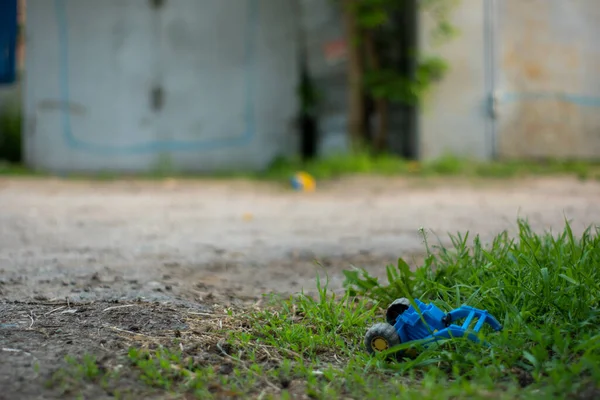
[[203, 239]]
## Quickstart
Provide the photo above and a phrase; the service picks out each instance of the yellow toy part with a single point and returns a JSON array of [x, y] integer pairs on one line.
[[304, 182]]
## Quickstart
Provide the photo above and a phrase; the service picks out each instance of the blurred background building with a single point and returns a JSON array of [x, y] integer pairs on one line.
[[205, 85], [524, 82]]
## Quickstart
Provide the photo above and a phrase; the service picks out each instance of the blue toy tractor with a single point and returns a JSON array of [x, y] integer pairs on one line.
[[428, 324]]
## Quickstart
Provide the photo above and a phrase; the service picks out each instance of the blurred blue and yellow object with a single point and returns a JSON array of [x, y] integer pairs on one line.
[[303, 182]]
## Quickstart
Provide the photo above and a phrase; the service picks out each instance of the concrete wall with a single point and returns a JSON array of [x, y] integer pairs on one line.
[[523, 83], [455, 118], [548, 80], [197, 85]]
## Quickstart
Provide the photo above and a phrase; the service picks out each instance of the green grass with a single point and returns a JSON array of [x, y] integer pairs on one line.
[[363, 163], [448, 165], [544, 289], [85, 370], [10, 169]]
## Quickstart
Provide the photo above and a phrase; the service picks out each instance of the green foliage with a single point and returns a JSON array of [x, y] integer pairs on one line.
[[10, 135], [439, 12], [338, 165], [391, 85], [78, 373], [376, 17], [365, 163], [156, 369], [88, 368], [372, 14]]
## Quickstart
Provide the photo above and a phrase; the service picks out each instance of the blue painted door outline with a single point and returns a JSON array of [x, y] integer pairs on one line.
[[157, 146]]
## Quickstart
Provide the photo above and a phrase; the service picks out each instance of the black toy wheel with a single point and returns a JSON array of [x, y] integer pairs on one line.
[[395, 309], [381, 337]]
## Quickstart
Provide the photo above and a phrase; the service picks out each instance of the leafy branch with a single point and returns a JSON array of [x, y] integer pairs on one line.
[[374, 32]]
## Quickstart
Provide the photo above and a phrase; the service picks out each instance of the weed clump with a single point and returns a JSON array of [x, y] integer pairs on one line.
[[545, 289]]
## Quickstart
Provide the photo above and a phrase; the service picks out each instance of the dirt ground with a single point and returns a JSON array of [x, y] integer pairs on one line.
[[164, 248]]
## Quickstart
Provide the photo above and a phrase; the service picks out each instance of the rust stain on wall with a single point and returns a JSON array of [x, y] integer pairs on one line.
[[533, 71], [543, 128], [548, 51]]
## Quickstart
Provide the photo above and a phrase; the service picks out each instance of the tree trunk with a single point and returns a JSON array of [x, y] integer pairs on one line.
[[356, 120], [381, 104]]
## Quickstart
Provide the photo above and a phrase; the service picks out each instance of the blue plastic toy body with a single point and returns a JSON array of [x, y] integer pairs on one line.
[[438, 324]]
